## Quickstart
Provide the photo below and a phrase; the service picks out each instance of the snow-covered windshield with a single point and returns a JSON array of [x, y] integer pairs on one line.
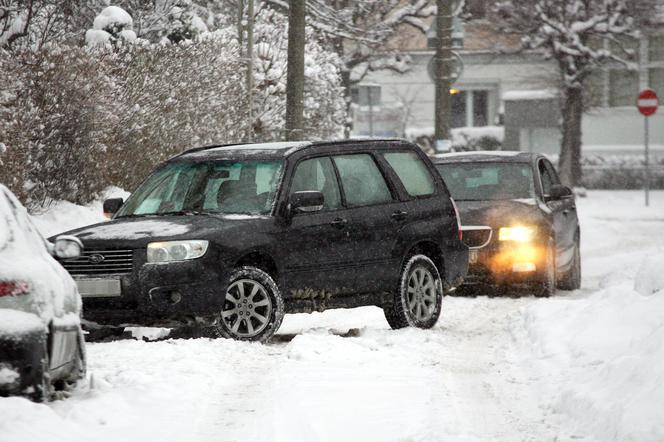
[[488, 181], [228, 186]]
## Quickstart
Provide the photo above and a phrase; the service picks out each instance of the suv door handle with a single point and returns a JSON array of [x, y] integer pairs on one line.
[[339, 223], [399, 215]]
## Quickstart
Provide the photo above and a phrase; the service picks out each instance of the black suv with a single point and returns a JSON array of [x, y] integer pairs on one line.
[[517, 218], [236, 236]]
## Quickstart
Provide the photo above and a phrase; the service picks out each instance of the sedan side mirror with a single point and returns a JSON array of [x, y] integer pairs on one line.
[[67, 247], [559, 192], [306, 201], [111, 206]]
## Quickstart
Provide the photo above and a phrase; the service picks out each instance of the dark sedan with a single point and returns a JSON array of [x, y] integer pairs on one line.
[[519, 221]]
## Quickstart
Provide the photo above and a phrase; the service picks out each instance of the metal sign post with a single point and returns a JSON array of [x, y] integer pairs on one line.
[[647, 103]]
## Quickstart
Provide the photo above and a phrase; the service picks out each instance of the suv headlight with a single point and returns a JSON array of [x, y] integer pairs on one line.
[[518, 234], [169, 251]]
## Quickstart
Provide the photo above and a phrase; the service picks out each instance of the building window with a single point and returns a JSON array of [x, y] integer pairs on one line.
[[458, 109], [470, 108], [623, 87], [480, 108]]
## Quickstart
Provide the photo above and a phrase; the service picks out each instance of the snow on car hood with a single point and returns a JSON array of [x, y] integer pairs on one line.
[[24, 258], [132, 229], [138, 232]]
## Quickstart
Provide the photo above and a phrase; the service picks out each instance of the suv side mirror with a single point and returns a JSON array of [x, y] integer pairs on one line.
[[111, 206], [306, 201], [67, 247], [559, 192]]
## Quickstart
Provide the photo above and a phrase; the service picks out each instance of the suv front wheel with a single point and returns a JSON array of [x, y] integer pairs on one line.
[[419, 298], [253, 307]]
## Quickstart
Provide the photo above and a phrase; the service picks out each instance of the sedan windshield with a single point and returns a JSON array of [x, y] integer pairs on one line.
[[228, 186], [488, 181]]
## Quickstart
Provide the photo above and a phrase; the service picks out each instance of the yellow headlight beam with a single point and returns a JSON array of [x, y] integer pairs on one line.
[[518, 234]]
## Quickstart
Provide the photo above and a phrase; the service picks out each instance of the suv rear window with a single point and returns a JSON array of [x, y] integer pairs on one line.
[[412, 172], [362, 181]]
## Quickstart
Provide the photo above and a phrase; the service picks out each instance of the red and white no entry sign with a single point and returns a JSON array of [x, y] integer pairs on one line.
[[648, 102]]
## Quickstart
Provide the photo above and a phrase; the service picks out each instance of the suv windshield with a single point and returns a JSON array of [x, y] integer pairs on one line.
[[228, 186], [488, 181]]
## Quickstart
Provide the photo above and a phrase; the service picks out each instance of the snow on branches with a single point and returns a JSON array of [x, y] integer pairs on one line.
[[578, 34]]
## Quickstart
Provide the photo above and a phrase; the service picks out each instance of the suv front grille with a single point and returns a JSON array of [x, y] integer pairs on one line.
[[101, 262], [476, 237]]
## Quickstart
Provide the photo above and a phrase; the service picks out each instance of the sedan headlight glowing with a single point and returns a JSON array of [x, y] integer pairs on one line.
[[168, 251], [519, 234]]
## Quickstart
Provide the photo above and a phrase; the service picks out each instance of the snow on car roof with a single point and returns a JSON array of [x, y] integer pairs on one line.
[[485, 155]]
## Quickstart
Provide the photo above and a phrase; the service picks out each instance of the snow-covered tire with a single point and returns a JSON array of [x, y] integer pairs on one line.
[[253, 306], [546, 286], [571, 279], [418, 300]]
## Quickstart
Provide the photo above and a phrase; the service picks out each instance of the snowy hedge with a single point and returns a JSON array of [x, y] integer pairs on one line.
[[74, 120]]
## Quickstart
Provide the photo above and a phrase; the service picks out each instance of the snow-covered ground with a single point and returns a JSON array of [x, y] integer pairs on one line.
[[583, 365]]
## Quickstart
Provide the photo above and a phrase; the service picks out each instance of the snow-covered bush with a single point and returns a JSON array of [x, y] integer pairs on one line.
[[620, 171], [112, 26], [52, 103], [169, 98]]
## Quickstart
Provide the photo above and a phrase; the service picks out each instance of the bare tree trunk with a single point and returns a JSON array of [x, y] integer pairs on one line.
[[346, 83], [295, 77], [443, 69], [570, 150]]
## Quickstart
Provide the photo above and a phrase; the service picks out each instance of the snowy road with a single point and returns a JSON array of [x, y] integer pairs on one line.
[[512, 369]]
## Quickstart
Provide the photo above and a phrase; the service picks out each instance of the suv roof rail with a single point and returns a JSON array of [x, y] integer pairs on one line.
[[201, 148]]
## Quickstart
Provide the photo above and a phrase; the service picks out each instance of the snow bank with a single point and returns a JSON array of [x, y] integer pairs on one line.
[[62, 216], [598, 352], [605, 354], [650, 278]]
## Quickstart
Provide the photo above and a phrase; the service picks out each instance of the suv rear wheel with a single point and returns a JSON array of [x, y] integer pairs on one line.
[[419, 298], [253, 307]]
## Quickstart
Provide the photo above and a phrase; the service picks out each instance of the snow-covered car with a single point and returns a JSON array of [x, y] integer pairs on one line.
[[519, 221], [41, 340]]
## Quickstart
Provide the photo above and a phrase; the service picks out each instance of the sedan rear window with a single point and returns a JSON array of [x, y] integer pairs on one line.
[[488, 181]]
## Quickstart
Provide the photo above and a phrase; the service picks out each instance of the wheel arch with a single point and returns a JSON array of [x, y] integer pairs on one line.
[[429, 249], [261, 260]]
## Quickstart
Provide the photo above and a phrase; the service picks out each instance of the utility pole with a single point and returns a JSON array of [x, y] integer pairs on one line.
[[295, 77], [250, 70], [443, 72]]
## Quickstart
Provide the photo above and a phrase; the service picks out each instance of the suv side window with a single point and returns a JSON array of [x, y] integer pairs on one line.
[[412, 172], [547, 179], [361, 179], [318, 174]]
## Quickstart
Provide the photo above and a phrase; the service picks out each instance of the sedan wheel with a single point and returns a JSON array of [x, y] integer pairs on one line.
[[253, 308]]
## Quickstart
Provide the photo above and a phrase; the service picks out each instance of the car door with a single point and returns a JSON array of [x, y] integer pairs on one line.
[[563, 213], [318, 261], [371, 226]]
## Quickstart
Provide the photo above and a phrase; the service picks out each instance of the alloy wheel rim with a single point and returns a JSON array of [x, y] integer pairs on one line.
[[421, 294], [247, 308]]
